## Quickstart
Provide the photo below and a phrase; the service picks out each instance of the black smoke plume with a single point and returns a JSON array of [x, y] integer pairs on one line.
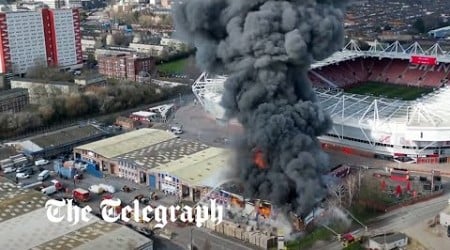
[[266, 47]]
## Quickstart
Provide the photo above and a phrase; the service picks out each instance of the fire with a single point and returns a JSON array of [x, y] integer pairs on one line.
[[258, 159]]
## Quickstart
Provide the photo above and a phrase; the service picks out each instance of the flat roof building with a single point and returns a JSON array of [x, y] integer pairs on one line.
[[13, 100], [105, 152], [40, 90], [62, 141]]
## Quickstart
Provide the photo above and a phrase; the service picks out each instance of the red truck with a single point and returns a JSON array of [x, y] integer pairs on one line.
[[80, 195]]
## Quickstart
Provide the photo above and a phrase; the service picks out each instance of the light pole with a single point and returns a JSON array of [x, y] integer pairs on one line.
[[191, 246]]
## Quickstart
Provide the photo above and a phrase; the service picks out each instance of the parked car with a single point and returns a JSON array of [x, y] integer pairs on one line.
[[49, 190], [43, 175], [24, 168], [22, 175], [177, 130], [41, 162], [9, 170], [448, 231]]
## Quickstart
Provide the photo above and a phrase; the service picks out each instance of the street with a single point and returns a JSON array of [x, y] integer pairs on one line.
[[401, 219]]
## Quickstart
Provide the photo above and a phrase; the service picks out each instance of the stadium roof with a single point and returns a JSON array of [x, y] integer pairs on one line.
[[432, 110], [197, 169], [128, 142], [24, 225]]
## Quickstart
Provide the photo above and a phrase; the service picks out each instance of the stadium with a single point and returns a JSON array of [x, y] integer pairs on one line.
[[389, 102]]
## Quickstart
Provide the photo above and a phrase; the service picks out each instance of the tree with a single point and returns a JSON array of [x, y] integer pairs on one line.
[[419, 25], [337, 191], [351, 185], [46, 112]]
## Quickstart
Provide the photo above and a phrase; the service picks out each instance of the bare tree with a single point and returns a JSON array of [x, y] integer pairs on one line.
[[351, 184], [337, 191]]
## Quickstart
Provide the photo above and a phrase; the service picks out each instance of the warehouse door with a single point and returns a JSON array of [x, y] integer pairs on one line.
[[152, 181]]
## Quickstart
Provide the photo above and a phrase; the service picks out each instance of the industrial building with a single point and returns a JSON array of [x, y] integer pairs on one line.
[[158, 159], [388, 241], [188, 175], [62, 141], [440, 33], [13, 100], [105, 152], [46, 36], [24, 223], [40, 90], [124, 66]]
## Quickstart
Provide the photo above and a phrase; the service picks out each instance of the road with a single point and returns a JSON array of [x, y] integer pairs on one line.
[[401, 219], [201, 235]]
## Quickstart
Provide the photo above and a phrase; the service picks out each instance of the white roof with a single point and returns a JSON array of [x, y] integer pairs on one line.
[[144, 113]]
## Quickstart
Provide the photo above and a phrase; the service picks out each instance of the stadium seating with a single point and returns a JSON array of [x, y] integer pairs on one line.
[[412, 76], [434, 78], [394, 71]]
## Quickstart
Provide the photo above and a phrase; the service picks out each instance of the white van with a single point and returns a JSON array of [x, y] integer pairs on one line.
[[43, 175], [49, 190], [176, 130]]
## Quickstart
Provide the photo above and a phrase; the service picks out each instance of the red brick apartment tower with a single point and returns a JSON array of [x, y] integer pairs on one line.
[[77, 30], [5, 55], [50, 37]]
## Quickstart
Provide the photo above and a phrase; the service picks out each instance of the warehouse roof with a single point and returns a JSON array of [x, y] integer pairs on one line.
[[197, 168], [23, 216], [128, 142], [67, 136], [163, 152]]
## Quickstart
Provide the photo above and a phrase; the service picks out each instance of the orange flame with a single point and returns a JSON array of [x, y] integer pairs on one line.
[[258, 159]]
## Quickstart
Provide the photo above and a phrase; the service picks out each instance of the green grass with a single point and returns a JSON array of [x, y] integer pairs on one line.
[[392, 91], [354, 246], [309, 240], [174, 67], [363, 214]]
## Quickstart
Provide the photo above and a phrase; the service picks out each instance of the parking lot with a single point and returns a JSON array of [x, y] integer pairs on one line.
[[87, 181]]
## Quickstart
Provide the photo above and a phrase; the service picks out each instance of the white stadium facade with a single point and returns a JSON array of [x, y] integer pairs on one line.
[[407, 131]]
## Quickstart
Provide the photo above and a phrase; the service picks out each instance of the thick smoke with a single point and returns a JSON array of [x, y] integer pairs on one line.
[[266, 47]]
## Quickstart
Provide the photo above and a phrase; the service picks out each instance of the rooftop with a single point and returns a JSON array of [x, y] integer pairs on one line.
[[163, 153], [9, 93], [144, 113], [128, 142], [66, 136], [197, 168], [42, 81], [23, 216], [389, 238]]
